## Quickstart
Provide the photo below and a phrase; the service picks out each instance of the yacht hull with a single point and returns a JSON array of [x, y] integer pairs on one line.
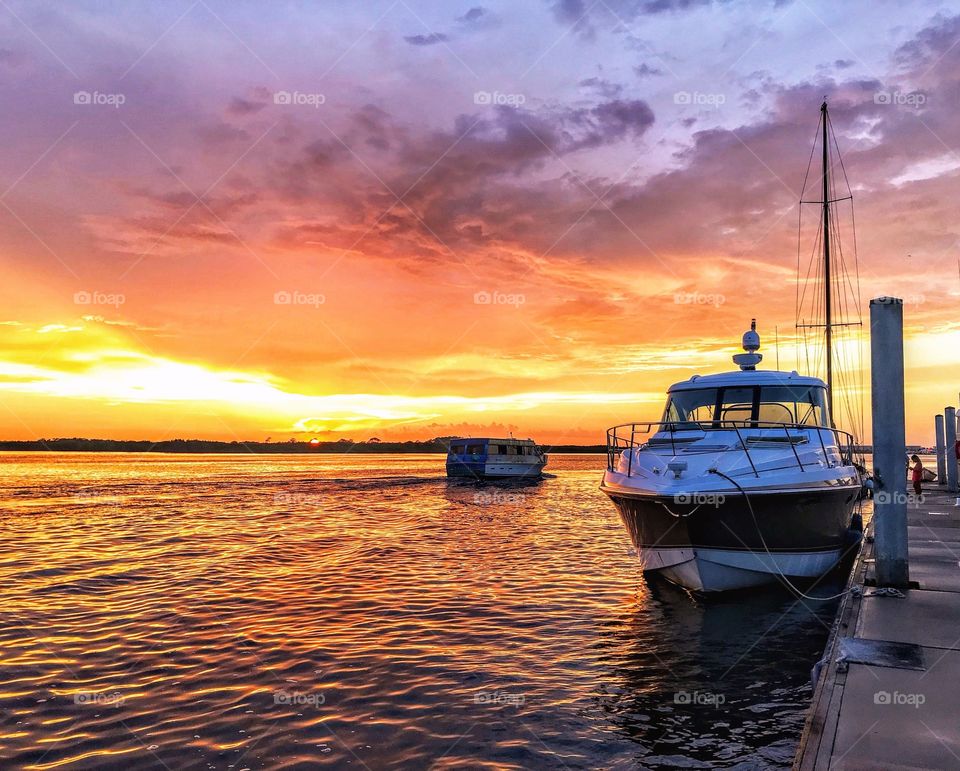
[[494, 470], [713, 542]]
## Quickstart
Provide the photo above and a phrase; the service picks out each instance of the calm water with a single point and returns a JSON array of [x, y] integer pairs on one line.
[[361, 611]]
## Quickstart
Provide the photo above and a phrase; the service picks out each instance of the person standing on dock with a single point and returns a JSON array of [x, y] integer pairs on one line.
[[917, 474]]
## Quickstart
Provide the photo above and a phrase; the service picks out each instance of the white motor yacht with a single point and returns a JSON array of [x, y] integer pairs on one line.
[[743, 482]]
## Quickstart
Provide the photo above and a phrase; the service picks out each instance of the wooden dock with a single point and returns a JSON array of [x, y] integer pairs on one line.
[[888, 695]]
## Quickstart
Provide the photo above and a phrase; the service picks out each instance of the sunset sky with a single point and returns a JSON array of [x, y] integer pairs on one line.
[[405, 219]]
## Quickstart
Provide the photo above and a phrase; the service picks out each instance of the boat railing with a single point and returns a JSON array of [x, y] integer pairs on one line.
[[625, 437]]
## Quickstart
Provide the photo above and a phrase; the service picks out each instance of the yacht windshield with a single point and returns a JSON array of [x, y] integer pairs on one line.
[[805, 405], [691, 406], [746, 405]]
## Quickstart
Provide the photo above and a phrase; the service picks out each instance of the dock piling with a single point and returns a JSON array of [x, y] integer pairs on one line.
[[941, 451], [889, 441], [950, 418]]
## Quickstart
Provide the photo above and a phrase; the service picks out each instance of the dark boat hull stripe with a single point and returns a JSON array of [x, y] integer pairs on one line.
[[805, 521]]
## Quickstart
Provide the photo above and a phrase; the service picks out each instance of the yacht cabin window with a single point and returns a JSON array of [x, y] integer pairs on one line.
[[743, 406]]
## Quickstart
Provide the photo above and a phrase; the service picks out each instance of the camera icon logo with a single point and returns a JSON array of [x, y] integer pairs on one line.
[[682, 97], [282, 297], [881, 697], [482, 97], [82, 97], [482, 298], [282, 97]]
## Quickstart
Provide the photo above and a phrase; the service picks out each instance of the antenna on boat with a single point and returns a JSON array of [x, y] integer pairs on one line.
[[751, 344], [776, 343]]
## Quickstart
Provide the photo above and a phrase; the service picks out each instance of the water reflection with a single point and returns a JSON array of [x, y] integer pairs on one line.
[[255, 612], [715, 680]]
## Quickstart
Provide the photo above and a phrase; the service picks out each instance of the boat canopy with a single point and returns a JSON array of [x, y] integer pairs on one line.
[[747, 378], [490, 446]]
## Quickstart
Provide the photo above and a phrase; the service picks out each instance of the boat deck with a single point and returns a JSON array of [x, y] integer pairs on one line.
[[899, 711]]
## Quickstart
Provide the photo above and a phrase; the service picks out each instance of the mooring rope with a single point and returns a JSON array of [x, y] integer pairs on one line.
[[785, 580]]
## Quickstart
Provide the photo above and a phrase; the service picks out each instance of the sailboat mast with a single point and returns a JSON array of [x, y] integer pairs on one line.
[[828, 301]]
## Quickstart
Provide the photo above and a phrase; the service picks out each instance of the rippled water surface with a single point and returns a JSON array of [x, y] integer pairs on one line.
[[362, 611]]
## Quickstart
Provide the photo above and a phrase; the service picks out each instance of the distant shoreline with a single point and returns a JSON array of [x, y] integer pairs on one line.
[[204, 446], [201, 446]]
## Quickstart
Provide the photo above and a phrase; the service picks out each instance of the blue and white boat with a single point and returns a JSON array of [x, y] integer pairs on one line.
[[495, 459]]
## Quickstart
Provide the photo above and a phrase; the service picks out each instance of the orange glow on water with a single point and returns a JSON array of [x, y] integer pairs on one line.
[[219, 610]]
